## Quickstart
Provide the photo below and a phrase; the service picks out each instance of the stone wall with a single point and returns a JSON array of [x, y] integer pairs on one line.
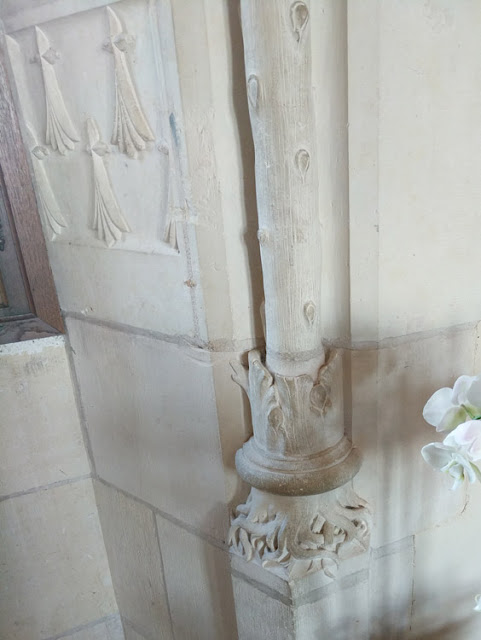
[[54, 574], [155, 313]]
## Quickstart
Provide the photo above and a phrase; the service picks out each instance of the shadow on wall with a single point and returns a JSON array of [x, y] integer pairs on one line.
[[446, 632], [429, 586], [246, 145], [217, 563]]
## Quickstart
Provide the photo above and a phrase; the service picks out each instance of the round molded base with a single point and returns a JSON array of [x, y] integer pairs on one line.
[[298, 476]]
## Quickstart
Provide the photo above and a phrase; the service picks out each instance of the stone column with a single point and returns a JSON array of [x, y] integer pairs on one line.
[[302, 516]]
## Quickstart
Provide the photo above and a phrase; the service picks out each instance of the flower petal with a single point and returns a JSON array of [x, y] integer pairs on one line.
[[477, 599], [473, 396], [452, 418], [460, 389], [437, 455], [437, 405], [467, 436], [457, 483], [476, 471]]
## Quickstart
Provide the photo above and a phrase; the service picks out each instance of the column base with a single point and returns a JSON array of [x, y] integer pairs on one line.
[[298, 476], [295, 536]]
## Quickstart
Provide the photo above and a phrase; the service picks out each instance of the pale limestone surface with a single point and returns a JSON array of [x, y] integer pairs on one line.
[[389, 389], [233, 415], [390, 590], [108, 630], [413, 202], [131, 634], [414, 192], [447, 577], [342, 615], [102, 284], [40, 429], [267, 617], [220, 166], [55, 574], [130, 536], [198, 585], [153, 424]]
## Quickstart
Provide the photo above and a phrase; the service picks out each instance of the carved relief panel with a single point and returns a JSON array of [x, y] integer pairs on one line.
[[100, 126]]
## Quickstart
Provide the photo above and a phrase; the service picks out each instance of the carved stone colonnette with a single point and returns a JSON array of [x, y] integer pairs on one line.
[[302, 514]]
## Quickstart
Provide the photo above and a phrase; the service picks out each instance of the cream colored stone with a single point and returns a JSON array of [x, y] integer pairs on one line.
[[151, 415], [234, 417], [54, 571], [130, 633], [329, 45], [259, 615], [390, 590], [198, 585], [343, 614], [134, 556], [93, 283], [40, 434], [219, 155], [390, 388], [363, 100], [109, 630], [414, 122], [447, 577]]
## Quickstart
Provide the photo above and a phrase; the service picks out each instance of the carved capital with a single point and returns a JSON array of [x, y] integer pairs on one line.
[[298, 447], [293, 537]]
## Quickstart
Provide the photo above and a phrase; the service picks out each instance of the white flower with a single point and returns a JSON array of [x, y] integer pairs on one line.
[[447, 408], [466, 436], [457, 453], [478, 602]]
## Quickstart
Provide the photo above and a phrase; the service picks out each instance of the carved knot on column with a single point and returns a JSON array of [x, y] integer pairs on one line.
[[293, 537]]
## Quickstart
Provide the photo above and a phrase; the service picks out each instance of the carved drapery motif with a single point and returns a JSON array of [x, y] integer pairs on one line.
[[109, 222], [131, 129], [60, 133], [151, 188], [49, 208]]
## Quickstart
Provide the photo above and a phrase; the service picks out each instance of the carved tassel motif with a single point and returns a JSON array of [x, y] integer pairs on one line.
[[109, 222], [60, 132], [131, 129], [53, 218]]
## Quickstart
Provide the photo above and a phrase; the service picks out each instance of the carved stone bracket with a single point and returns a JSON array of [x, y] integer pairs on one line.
[[295, 537]]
